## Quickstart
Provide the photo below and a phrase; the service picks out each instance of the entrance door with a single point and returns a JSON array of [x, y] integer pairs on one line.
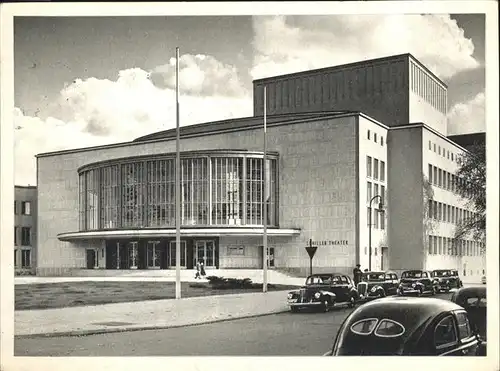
[[204, 251], [172, 260], [91, 259], [153, 255], [270, 257], [133, 254]]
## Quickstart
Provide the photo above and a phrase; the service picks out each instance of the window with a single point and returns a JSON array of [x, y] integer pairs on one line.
[[389, 328], [368, 166], [375, 219], [16, 242], [15, 207], [382, 219], [382, 195], [430, 212], [375, 168], [448, 181], [382, 141], [464, 330], [15, 258], [445, 213], [375, 137], [435, 177], [434, 147], [445, 333], [26, 236], [25, 258], [434, 242], [430, 145], [26, 208], [430, 244], [382, 171], [368, 135], [452, 156], [440, 177], [368, 191], [430, 173], [236, 250], [375, 189], [439, 150], [365, 326]]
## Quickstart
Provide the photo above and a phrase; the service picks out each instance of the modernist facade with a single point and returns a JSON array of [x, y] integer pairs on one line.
[[25, 201], [336, 138]]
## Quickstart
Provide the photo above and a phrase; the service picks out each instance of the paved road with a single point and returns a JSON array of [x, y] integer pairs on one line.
[[286, 334]]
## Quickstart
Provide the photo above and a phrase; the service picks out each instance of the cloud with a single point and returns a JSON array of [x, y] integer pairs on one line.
[[102, 111], [285, 44], [468, 117]]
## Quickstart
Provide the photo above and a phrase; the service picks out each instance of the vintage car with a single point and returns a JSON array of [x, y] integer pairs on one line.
[[324, 291], [445, 279], [416, 282], [407, 327], [377, 285], [473, 300]]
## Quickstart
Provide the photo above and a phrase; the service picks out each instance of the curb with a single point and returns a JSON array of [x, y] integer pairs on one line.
[[79, 333]]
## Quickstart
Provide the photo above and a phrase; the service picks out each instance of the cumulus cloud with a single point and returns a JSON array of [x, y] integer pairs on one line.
[[467, 117], [101, 111], [285, 44]]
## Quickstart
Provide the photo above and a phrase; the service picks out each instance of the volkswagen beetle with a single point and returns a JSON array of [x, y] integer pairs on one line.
[[324, 291], [407, 327]]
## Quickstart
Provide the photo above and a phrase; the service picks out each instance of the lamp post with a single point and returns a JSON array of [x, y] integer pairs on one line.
[[380, 206]]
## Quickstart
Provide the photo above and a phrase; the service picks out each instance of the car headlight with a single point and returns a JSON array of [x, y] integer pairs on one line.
[[317, 295], [413, 284], [373, 289], [290, 295]]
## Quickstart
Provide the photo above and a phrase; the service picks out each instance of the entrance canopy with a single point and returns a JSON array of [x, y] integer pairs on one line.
[[191, 232]]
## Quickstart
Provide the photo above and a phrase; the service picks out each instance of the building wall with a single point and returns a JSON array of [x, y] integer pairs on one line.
[[373, 143], [377, 88], [405, 200], [25, 194], [443, 154], [316, 181]]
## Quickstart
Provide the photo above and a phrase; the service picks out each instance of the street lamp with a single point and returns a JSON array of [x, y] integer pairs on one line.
[[380, 207]]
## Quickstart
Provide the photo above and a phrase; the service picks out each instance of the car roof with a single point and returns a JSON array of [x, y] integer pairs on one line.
[[326, 274], [468, 292]]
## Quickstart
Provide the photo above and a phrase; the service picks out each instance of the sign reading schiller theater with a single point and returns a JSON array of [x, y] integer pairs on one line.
[[330, 242]]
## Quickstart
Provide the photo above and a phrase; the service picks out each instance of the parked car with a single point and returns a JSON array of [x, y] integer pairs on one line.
[[473, 300], [443, 279], [377, 285], [407, 327], [456, 277], [416, 282], [324, 291]]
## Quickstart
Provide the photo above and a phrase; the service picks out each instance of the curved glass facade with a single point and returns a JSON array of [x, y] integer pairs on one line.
[[220, 189]]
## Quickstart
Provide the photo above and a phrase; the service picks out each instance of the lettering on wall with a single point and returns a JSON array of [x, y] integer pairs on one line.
[[330, 242]]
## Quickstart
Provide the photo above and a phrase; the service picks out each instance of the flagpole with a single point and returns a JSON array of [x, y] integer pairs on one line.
[[177, 186], [264, 179]]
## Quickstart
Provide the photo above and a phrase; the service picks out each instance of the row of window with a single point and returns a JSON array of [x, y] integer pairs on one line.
[[447, 213], [439, 245], [446, 180], [441, 151], [372, 190], [214, 191], [377, 218], [25, 258], [429, 89], [376, 139], [25, 207], [375, 168], [25, 236], [374, 251]]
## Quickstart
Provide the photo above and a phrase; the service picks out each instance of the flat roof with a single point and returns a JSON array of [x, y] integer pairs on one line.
[[350, 65], [468, 139]]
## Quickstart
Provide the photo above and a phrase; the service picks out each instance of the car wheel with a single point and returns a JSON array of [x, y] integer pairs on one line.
[[294, 309], [381, 293], [420, 292], [352, 301], [433, 291]]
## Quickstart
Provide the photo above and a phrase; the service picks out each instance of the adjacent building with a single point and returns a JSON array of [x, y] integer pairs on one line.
[[25, 201], [346, 145]]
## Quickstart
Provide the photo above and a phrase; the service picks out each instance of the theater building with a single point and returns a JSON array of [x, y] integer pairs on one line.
[[336, 137]]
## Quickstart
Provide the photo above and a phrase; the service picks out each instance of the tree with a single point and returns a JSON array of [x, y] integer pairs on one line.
[[471, 185]]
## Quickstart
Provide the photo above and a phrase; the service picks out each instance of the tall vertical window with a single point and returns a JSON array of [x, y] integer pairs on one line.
[[430, 174], [430, 145], [133, 192], [375, 189], [368, 166], [382, 171], [109, 197], [92, 199], [161, 193], [375, 168], [227, 184], [15, 207], [25, 258], [435, 177], [430, 245], [26, 236], [81, 191], [368, 135], [368, 191], [430, 212], [375, 218], [382, 194], [382, 219], [26, 208], [16, 242], [375, 137]]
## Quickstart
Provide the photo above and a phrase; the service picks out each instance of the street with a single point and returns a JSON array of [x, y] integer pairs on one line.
[[286, 334]]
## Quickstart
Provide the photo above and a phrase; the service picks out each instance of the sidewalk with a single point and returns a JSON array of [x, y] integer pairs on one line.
[[157, 314]]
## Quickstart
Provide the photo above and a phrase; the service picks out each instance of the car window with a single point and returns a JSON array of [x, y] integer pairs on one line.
[[464, 330], [343, 279], [335, 280], [445, 333], [424, 275], [394, 276], [389, 328], [476, 302], [364, 326]]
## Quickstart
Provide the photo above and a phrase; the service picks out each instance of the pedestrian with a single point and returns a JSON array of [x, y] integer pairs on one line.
[[356, 272], [197, 275], [202, 269]]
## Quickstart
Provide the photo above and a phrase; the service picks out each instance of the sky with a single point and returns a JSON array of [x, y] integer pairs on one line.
[[83, 81]]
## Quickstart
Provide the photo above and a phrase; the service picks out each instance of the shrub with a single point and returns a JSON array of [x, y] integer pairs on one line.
[[197, 285], [221, 283]]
